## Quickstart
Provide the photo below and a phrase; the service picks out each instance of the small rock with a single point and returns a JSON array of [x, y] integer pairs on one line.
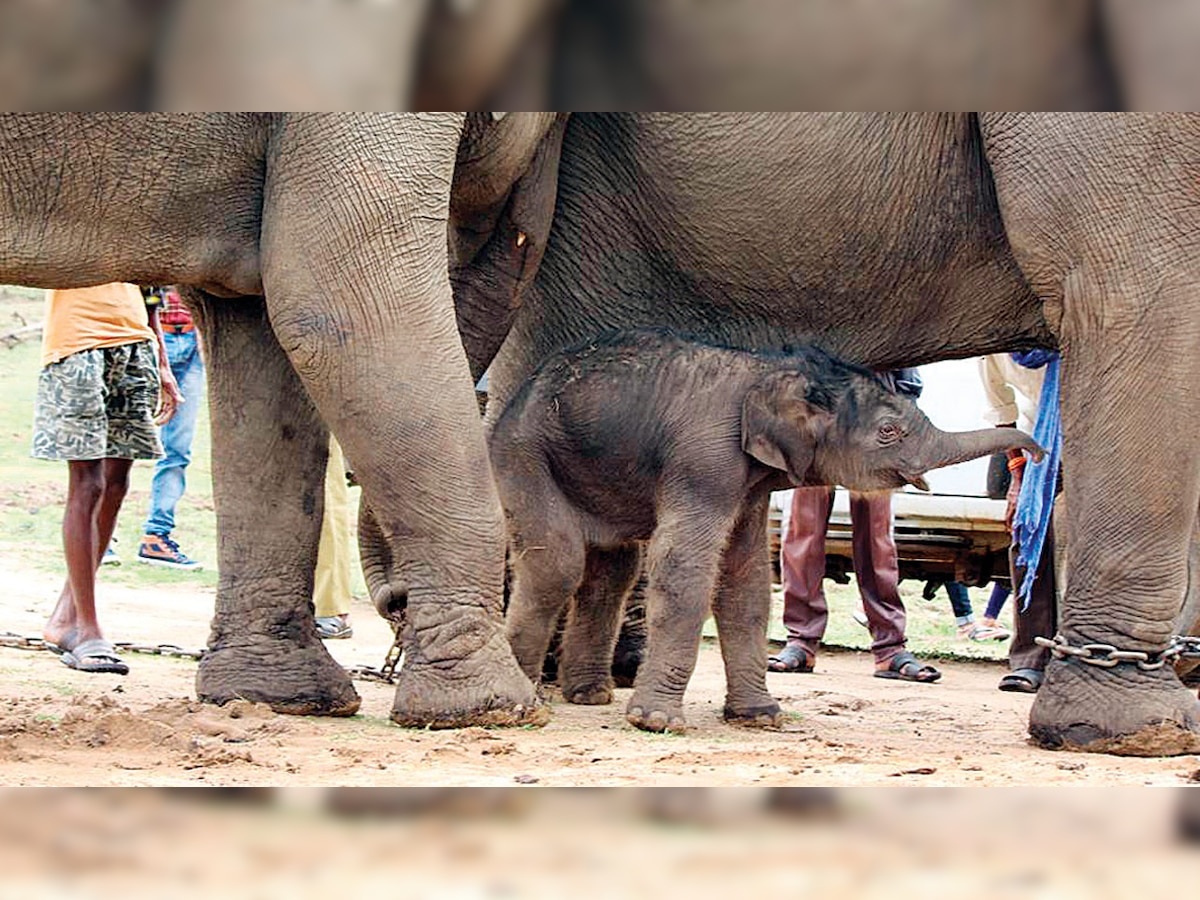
[[923, 770], [1072, 766], [525, 779]]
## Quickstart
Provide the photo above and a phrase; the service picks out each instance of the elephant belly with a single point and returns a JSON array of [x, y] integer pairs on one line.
[[769, 230]]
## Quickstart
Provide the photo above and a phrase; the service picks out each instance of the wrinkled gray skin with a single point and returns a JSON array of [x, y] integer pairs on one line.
[[319, 254], [894, 240], [644, 437]]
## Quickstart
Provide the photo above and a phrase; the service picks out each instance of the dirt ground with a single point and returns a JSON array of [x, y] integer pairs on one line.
[[844, 727]]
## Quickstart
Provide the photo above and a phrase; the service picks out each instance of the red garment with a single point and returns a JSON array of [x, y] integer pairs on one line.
[[173, 312]]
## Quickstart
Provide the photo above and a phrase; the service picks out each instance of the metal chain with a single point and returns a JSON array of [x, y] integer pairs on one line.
[[386, 673], [1107, 656], [1189, 647]]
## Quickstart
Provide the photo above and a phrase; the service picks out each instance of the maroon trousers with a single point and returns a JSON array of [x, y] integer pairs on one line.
[[1041, 618], [802, 559]]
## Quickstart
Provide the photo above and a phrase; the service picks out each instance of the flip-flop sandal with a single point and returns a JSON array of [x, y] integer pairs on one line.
[[333, 628], [1022, 681], [95, 656], [983, 633], [904, 667], [791, 659]]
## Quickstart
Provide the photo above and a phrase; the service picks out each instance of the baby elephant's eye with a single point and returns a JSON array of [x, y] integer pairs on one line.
[[890, 431]]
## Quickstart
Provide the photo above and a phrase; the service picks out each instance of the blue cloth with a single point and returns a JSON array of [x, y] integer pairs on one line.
[[1033, 359], [1035, 503], [169, 482]]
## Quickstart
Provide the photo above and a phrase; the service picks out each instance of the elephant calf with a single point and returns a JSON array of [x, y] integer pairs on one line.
[[643, 437]]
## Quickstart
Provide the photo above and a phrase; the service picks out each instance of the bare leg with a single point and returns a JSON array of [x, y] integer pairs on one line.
[[95, 491], [585, 672]]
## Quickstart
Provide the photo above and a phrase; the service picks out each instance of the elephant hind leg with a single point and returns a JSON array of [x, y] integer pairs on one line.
[[592, 625], [547, 567], [269, 454]]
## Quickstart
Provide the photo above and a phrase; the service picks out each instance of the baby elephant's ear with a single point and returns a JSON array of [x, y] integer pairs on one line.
[[779, 426]]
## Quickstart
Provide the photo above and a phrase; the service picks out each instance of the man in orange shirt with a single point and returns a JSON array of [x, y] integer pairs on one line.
[[101, 390]]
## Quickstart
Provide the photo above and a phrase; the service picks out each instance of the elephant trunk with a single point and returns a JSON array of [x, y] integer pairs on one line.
[[947, 448], [492, 155], [390, 598]]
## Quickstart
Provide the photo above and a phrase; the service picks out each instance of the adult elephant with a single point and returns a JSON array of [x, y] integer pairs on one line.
[[896, 240], [319, 252]]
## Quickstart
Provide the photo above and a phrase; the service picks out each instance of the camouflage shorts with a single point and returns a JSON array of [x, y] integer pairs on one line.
[[99, 404]]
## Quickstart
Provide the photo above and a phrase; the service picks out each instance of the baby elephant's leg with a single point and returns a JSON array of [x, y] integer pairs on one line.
[[742, 607], [592, 626], [684, 556], [546, 558]]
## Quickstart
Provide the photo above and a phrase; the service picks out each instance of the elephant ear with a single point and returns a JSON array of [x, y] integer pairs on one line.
[[780, 427]]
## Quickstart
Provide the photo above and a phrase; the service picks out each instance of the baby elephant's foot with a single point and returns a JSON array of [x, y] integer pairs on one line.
[[655, 714], [593, 694], [760, 715]]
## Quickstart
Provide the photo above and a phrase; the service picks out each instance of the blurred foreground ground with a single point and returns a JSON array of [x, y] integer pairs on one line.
[[1094, 843]]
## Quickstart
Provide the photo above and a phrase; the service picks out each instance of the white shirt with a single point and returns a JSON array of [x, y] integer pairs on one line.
[[1011, 391]]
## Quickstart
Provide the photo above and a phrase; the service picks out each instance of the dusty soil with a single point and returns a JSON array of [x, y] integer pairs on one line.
[[60, 727]]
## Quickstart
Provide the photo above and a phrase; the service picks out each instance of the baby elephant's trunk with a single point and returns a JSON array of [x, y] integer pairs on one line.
[[947, 448]]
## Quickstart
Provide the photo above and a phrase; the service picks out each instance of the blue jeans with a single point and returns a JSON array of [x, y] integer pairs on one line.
[[169, 480], [960, 602]]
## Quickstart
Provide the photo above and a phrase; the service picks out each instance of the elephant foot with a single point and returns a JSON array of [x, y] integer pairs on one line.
[[628, 656], [1122, 711], [293, 680], [656, 714], [593, 693], [429, 696], [754, 715]]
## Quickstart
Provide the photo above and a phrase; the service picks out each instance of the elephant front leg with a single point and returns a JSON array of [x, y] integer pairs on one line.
[[1103, 217], [742, 607], [1132, 479], [355, 269], [683, 556], [268, 462]]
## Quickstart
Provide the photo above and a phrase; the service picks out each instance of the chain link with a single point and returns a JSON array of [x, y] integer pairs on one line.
[[1188, 647], [1106, 656], [386, 673]]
